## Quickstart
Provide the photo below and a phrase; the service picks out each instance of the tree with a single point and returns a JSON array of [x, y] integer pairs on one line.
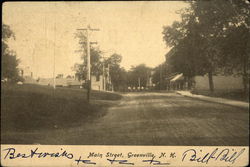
[[138, 74], [80, 71], [95, 63], [118, 74], [235, 42], [160, 73], [225, 24], [193, 52], [95, 59], [197, 38], [9, 60], [235, 49]]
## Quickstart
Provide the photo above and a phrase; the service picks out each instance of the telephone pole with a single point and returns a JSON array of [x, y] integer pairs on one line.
[[160, 76], [54, 59], [103, 74], [88, 29], [139, 83]]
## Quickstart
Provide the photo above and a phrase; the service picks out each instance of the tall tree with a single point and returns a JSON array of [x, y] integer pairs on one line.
[[235, 49], [235, 42], [118, 74], [95, 59], [9, 61], [226, 24], [197, 37]]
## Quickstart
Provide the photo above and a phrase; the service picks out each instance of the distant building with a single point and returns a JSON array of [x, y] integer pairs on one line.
[[178, 81], [221, 82], [60, 82], [59, 76], [26, 74], [97, 82], [25, 71]]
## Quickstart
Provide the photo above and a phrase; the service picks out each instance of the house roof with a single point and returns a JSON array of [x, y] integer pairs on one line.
[[170, 76], [178, 77]]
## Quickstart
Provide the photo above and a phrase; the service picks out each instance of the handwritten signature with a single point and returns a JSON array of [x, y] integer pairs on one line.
[[193, 155], [226, 155], [12, 154]]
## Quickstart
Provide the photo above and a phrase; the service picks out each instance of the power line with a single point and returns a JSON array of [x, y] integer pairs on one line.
[[54, 65]]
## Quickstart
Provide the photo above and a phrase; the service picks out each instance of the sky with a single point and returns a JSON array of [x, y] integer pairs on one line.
[[45, 31]]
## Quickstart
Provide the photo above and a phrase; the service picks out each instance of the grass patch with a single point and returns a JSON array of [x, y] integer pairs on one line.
[[233, 95], [33, 107]]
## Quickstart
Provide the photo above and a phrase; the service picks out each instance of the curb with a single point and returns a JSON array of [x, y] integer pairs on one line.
[[234, 103]]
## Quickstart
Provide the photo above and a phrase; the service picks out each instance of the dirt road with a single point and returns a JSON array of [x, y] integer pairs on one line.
[[154, 119]]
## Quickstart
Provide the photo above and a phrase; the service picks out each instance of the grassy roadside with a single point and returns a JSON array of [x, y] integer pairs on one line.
[[233, 95], [33, 107]]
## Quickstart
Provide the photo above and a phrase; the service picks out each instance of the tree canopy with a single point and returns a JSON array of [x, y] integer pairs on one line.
[[9, 61], [117, 74], [138, 74], [95, 59], [110, 67], [209, 39]]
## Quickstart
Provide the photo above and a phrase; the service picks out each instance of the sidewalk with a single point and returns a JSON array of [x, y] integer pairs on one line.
[[215, 99]]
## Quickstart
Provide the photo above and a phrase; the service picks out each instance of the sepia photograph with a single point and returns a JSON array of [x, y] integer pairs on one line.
[[125, 73]]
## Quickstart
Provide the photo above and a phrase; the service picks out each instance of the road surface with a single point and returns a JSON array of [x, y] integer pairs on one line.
[[155, 119]]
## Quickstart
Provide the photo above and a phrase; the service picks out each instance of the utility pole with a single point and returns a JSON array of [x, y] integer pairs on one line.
[[33, 61], [108, 78], [139, 83], [88, 65], [160, 76], [88, 29], [54, 63], [103, 76]]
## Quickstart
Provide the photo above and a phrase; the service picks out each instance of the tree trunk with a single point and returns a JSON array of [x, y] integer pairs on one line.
[[211, 82], [189, 83]]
